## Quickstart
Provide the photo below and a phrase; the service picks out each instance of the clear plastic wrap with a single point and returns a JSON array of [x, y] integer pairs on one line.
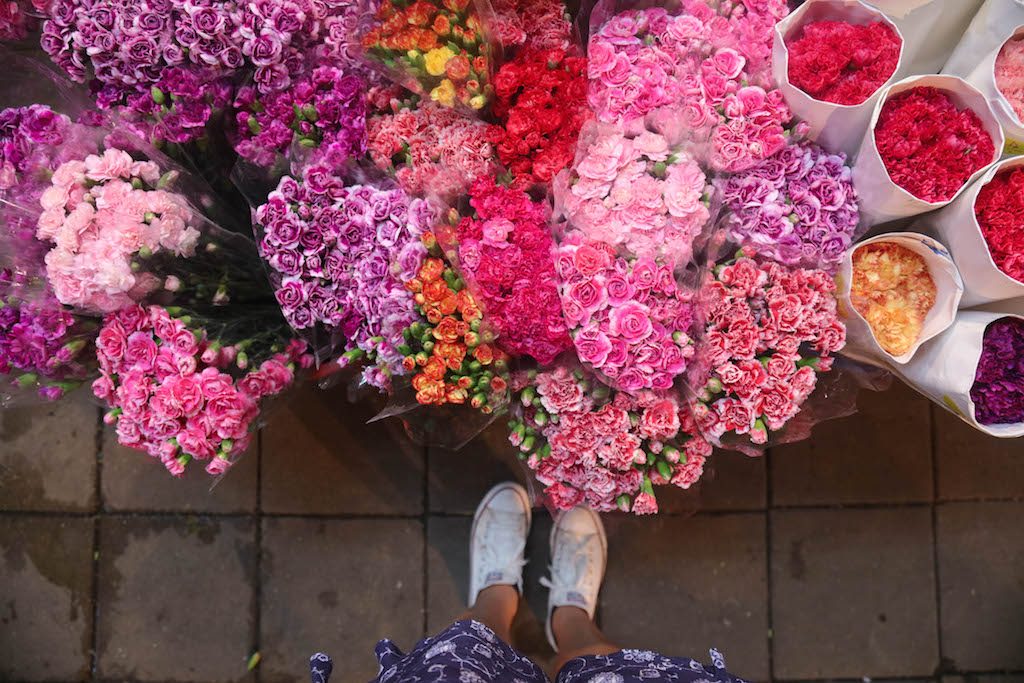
[[591, 445], [769, 332], [440, 49], [629, 216], [709, 61], [339, 246], [837, 127], [189, 385]]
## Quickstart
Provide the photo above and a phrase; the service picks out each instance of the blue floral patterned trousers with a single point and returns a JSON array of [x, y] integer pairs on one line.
[[469, 652]]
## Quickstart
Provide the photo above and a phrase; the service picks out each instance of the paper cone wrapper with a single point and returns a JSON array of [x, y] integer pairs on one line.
[[984, 79], [883, 200], [860, 340], [958, 228], [993, 23], [944, 369], [931, 29], [836, 127]]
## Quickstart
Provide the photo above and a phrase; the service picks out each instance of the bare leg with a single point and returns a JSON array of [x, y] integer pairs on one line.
[[576, 635], [495, 608]]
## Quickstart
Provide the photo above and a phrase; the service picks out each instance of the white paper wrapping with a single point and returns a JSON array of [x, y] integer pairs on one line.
[[931, 29], [958, 229], [860, 340], [837, 127], [993, 23], [944, 369], [883, 200], [983, 77]]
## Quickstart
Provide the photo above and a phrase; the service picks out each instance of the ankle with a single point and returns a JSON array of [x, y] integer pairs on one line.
[[573, 629], [496, 608]]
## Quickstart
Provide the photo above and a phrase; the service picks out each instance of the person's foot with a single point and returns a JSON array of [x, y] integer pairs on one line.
[[579, 553], [497, 542]]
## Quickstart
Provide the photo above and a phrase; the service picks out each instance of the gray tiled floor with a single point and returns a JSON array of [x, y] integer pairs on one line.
[[888, 546]]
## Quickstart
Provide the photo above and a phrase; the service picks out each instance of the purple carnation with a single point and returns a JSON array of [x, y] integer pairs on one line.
[[798, 207], [339, 255], [42, 345], [998, 391]]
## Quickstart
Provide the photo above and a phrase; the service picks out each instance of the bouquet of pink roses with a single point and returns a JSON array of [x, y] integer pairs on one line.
[[606, 449], [769, 331]]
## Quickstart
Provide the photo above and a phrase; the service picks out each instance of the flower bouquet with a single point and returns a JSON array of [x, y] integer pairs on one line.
[[929, 137], [974, 370], [540, 102], [646, 59], [43, 347], [338, 255], [324, 111], [430, 149], [590, 445], [437, 48], [983, 228], [173, 65], [798, 207], [897, 290], [452, 356], [185, 385], [769, 332], [503, 248], [119, 233], [831, 59]]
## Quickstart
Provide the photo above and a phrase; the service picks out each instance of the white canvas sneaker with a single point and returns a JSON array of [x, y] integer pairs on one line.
[[579, 553], [497, 541]]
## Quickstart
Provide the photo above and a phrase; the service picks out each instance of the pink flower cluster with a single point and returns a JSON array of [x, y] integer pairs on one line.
[[695, 62], [1009, 73], [170, 393], [505, 254], [638, 193], [628, 318], [607, 451], [101, 213], [769, 330], [532, 24], [431, 149]]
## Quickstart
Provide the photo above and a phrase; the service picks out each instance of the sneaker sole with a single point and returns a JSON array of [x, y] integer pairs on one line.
[[604, 567], [488, 497]]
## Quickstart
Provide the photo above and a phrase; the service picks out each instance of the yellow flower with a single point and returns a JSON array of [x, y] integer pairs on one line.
[[436, 60], [444, 94], [478, 101]]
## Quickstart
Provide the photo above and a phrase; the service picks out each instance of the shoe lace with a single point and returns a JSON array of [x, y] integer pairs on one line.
[[566, 575], [511, 559]]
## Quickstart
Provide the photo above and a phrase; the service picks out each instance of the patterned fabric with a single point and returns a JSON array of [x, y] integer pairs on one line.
[[469, 652], [465, 652]]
